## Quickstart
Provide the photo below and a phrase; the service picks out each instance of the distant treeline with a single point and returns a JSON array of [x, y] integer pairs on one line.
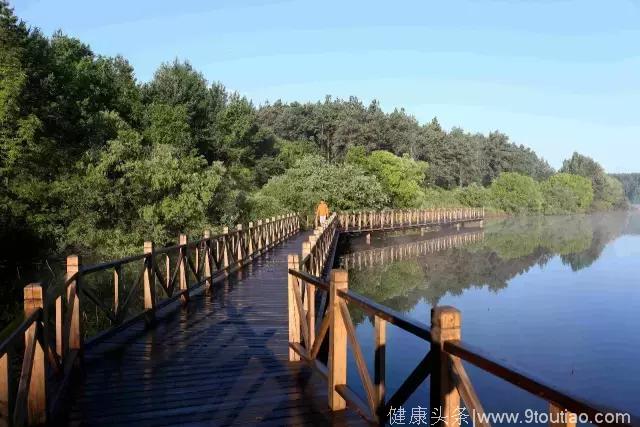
[[631, 185], [91, 160]]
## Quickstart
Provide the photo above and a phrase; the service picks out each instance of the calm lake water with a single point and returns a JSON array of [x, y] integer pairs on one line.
[[558, 297]]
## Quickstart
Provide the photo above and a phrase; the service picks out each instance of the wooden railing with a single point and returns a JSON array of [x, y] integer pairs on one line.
[[450, 386], [317, 250], [331, 326], [387, 254], [157, 278], [404, 218]]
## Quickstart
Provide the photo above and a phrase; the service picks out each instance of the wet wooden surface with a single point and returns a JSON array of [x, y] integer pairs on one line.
[[221, 360]]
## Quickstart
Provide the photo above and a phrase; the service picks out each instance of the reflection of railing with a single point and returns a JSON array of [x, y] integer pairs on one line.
[[380, 256], [202, 262], [405, 218]]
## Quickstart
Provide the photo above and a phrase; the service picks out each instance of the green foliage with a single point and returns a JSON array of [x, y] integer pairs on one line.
[[608, 192], [312, 179], [402, 178], [515, 193], [455, 158], [439, 198], [566, 193], [130, 192], [631, 185], [474, 196]]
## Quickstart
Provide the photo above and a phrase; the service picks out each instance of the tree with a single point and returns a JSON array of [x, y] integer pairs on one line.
[[516, 193], [312, 179], [631, 185], [402, 178], [131, 191], [565, 193], [607, 191]]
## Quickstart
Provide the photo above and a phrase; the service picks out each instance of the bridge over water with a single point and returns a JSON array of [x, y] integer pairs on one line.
[[216, 331]]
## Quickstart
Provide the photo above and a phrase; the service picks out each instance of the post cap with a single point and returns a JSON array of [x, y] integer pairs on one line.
[[73, 260], [33, 293], [446, 317], [340, 278]]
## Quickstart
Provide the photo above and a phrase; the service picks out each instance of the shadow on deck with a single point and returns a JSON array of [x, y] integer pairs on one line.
[[220, 360]]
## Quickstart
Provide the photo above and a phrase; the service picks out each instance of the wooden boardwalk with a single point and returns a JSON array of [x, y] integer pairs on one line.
[[221, 360]]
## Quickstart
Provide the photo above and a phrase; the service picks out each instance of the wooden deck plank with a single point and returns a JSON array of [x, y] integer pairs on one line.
[[221, 360]]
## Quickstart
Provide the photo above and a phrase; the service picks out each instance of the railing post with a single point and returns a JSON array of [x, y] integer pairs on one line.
[[75, 334], [445, 400], [36, 402], [337, 360], [379, 362], [559, 417], [225, 250], [260, 237], [149, 289], [249, 236], [294, 319], [306, 250], [184, 268], [5, 389], [239, 242], [273, 231], [207, 258], [117, 287]]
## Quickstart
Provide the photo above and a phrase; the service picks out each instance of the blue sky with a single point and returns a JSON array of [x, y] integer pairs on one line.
[[558, 76]]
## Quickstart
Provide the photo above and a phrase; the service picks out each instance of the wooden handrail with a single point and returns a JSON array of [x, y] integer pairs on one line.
[[27, 404], [410, 325], [389, 219], [450, 382], [523, 380], [19, 330], [310, 279], [202, 261]]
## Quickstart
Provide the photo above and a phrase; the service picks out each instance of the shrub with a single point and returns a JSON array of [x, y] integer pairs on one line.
[[515, 193], [474, 196], [300, 188], [565, 193]]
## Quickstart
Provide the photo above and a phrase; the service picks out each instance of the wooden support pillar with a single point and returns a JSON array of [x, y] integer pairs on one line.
[[225, 250], [259, 237], [368, 238], [294, 318], [59, 319], [5, 390], [250, 236], [184, 269], [36, 401], [337, 360], [149, 288], [117, 287], [207, 259], [239, 243], [75, 333], [445, 326], [273, 227], [559, 417], [306, 250]]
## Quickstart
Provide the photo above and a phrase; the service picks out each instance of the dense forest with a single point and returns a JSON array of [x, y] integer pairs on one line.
[[92, 160], [631, 185]]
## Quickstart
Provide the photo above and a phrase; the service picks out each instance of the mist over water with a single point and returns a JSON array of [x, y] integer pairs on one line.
[[558, 297]]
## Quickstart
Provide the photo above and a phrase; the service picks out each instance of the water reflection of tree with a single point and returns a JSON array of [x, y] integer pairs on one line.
[[511, 247]]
